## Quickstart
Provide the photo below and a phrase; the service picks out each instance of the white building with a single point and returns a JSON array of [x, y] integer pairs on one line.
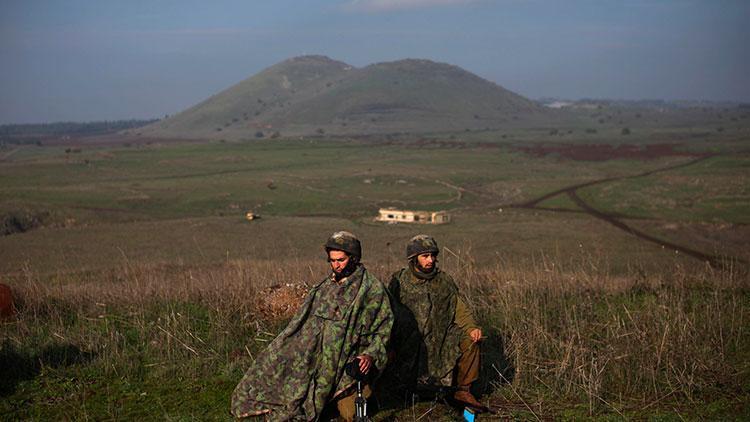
[[393, 215]]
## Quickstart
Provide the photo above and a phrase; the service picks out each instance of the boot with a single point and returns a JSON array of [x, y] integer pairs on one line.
[[466, 398]]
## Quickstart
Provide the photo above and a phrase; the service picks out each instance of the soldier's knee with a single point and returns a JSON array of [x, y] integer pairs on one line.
[[346, 406]]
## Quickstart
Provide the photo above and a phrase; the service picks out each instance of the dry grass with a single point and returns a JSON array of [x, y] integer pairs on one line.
[[162, 306], [619, 342], [569, 336]]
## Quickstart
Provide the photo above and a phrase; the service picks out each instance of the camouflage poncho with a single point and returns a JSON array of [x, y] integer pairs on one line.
[[303, 367], [425, 335]]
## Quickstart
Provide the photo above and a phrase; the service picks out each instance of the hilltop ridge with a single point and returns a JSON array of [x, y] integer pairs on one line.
[[317, 94]]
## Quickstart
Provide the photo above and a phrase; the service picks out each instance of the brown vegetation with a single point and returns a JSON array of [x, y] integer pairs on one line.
[[619, 342], [7, 308]]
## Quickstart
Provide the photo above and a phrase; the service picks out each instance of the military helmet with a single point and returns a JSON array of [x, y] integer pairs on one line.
[[420, 244], [344, 241]]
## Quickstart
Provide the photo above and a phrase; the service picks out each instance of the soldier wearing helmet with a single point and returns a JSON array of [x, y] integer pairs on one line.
[[344, 252], [445, 349], [345, 318]]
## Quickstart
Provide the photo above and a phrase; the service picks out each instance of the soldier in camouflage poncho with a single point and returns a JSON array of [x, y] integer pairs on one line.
[[435, 337], [346, 316]]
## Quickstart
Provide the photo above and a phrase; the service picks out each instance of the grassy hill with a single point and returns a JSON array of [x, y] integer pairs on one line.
[[315, 94], [245, 106]]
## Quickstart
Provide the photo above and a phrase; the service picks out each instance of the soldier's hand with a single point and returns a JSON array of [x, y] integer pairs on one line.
[[365, 362], [476, 335]]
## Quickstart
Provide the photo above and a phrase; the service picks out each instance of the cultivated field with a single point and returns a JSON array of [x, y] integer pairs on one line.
[[610, 268]]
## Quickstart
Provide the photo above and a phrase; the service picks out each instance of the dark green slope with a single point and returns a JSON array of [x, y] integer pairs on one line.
[[410, 92]]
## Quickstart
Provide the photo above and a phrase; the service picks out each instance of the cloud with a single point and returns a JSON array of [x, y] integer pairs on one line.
[[392, 5]]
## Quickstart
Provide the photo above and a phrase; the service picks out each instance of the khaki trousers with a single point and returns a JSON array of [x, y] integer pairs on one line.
[[467, 367]]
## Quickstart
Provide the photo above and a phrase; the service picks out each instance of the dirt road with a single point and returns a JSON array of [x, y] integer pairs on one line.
[[614, 219]]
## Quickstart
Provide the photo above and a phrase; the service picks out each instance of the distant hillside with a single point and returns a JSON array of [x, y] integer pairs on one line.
[[30, 133], [315, 94]]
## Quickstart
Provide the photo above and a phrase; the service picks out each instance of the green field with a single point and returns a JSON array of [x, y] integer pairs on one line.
[[713, 191], [134, 263], [175, 201], [160, 196]]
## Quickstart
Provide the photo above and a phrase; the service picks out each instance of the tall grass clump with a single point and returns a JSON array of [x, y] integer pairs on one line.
[[617, 343], [164, 341]]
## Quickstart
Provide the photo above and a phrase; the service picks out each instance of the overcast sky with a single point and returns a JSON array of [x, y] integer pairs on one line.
[[86, 60]]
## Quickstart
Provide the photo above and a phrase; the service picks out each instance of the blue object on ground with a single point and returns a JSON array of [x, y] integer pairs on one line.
[[469, 415]]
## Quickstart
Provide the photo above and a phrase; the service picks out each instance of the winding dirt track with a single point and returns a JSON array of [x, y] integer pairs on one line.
[[713, 260], [573, 188], [613, 219], [9, 153]]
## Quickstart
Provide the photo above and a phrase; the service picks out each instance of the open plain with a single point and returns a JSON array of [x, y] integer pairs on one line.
[[610, 267]]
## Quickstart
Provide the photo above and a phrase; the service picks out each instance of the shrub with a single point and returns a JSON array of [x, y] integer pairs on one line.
[[21, 221]]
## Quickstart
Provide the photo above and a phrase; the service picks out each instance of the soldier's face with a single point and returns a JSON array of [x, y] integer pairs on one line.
[[426, 261], [338, 260]]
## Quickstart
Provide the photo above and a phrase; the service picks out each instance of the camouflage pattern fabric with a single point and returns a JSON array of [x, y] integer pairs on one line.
[[420, 244], [345, 241], [303, 367], [425, 306]]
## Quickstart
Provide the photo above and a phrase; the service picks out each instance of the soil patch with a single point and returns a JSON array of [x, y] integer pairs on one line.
[[604, 152]]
